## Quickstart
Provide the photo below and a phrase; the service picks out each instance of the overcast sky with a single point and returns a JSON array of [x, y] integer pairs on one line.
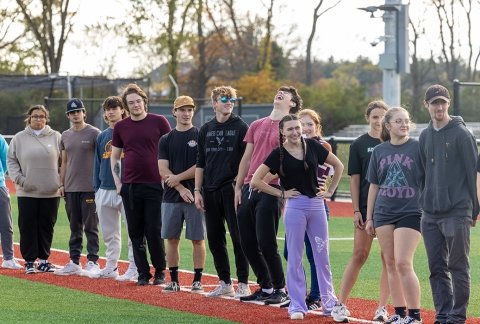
[[344, 32]]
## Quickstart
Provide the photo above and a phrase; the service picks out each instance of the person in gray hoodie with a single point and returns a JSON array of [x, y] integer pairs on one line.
[[448, 153], [32, 161]]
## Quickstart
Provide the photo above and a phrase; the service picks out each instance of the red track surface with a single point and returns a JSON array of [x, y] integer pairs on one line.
[[194, 303]]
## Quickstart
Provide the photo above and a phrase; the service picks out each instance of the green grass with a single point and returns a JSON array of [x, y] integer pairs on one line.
[[340, 253], [51, 304]]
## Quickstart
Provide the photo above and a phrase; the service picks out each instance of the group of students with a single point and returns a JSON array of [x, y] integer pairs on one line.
[[247, 177]]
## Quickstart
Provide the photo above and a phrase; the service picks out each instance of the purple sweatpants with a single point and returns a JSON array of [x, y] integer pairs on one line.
[[303, 214]]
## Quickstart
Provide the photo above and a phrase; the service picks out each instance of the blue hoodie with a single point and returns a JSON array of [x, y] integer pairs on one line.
[[448, 157], [3, 160]]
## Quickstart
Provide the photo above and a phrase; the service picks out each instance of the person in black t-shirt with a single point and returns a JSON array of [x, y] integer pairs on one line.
[[296, 162], [177, 155], [359, 158], [220, 149]]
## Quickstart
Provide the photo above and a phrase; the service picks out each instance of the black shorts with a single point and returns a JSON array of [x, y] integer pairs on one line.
[[411, 221]]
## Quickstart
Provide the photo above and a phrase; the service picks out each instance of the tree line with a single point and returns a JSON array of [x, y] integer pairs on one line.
[[202, 43]]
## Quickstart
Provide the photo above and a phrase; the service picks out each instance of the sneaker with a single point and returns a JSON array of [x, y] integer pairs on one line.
[[296, 316], [197, 287], [92, 269], [29, 268], [381, 314], [172, 287], [258, 295], [285, 305], [340, 313], [395, 319], [106, 273], [313, 304], [144, 280], [222, 289], [129, 275], [159, 278], [278, 297], [46, 267], [11, 264], [243, 289], [409, 320], [69, 269]]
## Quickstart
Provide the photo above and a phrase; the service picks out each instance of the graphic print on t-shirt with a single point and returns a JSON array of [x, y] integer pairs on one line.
[[395, 184]]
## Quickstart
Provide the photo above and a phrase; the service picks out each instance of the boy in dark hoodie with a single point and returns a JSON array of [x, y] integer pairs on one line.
[[220, 149], [448, 197]]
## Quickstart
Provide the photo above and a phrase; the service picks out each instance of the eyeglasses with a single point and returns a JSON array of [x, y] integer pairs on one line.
[[38, 116], [225, 99], [402, 121]]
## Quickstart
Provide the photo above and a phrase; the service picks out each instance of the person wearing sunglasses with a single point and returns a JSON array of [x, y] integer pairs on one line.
[[220, 148]]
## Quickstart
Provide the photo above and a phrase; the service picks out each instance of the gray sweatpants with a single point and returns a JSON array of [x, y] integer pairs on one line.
[[6, 230], [447, 241]]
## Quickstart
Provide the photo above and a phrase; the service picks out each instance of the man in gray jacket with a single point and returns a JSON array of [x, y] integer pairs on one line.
[[448, 153]]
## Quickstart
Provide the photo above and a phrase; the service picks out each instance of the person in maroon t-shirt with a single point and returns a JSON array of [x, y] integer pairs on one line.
[[140, 186]]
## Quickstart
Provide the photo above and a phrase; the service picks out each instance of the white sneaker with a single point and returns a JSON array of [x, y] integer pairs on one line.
[[340, 313], [129, 275], [395, 319], [381, 314], [243, 289], [106, 273], [69, 269], [91, 270], [296, 316], [222, 289], [11, 264]]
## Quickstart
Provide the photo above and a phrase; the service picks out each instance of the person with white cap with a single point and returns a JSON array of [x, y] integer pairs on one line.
[[177, 156], [78, 150], [448, 197]]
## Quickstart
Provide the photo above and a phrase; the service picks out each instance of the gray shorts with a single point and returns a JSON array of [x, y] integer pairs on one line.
[[173, 215]]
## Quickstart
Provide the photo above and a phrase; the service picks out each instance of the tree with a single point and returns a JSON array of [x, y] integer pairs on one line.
[[308, 59], [50, 28]]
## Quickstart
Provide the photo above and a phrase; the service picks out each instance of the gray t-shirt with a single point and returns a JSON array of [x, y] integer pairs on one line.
[[394, 168], [80, 149]]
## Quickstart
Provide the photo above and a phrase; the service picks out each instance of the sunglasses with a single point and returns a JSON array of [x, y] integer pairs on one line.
[[225, 99]]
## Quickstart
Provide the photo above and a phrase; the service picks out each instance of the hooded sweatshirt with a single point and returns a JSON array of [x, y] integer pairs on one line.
[[220, 149], [33, 163], [448, 157]]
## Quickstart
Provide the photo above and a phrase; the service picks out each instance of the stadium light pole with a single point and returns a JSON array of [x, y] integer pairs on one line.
[[395, 58]]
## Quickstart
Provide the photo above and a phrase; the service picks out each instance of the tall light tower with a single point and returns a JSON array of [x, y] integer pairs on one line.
[[395, 58]]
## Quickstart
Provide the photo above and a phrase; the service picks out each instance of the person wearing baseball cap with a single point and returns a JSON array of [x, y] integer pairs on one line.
[[177, 156], [78, 151], [448, 155]]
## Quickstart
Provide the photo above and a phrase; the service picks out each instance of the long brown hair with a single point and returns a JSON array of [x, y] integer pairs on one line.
[[289, 117]]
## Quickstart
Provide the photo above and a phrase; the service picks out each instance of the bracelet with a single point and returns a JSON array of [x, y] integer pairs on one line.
[[282, 195], [356, 211], [196, 189], [369, 220]]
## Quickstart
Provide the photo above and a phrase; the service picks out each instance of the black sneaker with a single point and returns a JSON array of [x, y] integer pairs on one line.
[[285, 305], [312, 304], [29, 268], [278, 297], [258, 295], [144, 279], [159, 278], [46, 267]]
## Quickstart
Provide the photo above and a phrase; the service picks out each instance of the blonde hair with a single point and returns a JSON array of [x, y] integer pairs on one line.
[[317, 119], [385, 135]]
